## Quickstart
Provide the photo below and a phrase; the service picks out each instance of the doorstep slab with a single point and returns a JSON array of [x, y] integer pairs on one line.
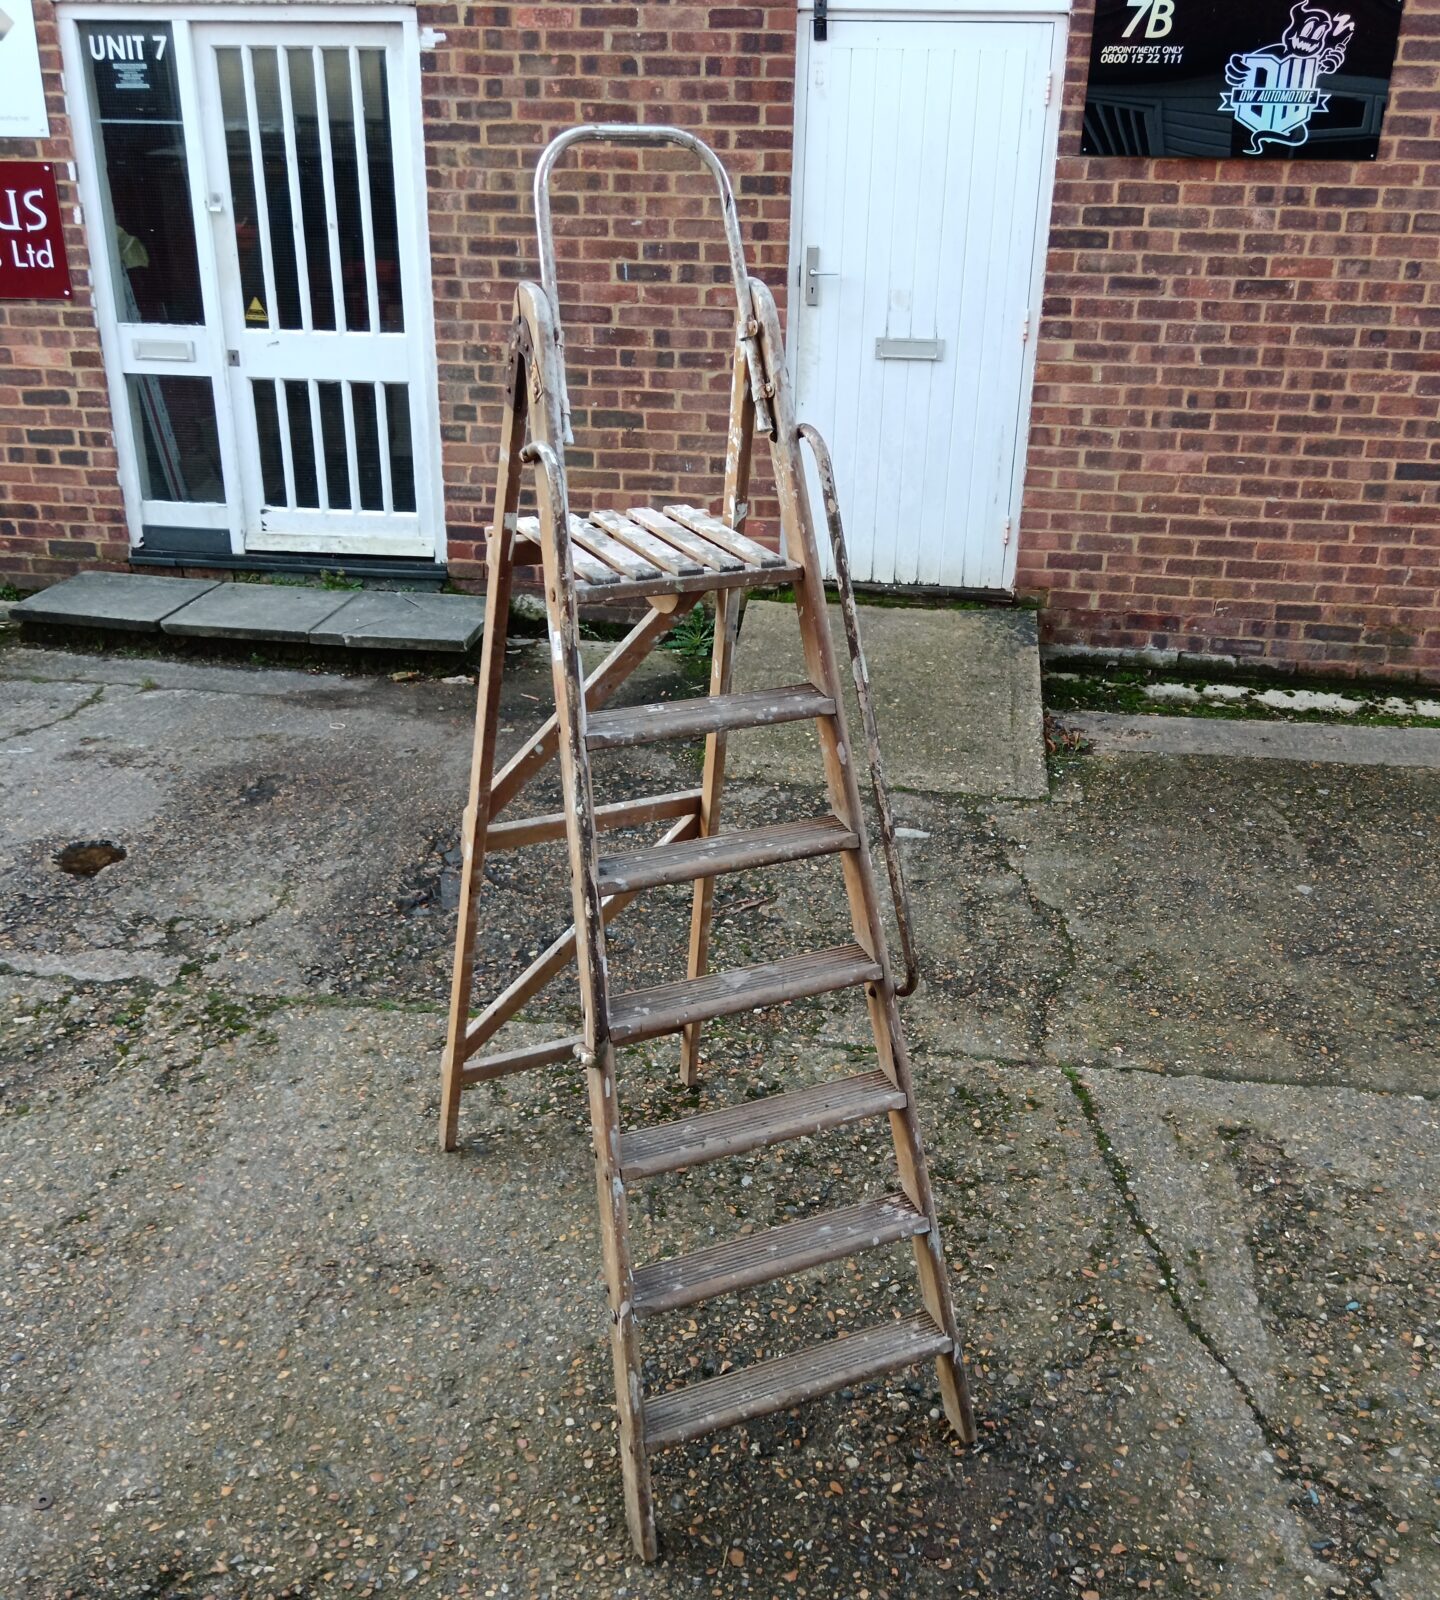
[[957, 698], [400, 620], [122, 600], [256, 611]]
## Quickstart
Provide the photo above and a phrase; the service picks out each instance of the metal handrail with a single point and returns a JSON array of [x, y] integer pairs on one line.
[[861, 674], [649, 134]]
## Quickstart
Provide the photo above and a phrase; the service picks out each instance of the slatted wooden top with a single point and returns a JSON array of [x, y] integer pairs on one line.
[[680, 549]]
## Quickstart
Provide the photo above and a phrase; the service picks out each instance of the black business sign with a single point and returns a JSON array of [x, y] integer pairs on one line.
[[1250, 78]]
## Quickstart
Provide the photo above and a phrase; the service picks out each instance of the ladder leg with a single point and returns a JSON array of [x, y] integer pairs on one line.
[[722, 665], [619, 1277], [930, 1264], [598, 1052], [727, 624], [498, 577]]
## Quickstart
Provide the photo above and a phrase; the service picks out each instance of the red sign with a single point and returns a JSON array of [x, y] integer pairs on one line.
[[32, 241]]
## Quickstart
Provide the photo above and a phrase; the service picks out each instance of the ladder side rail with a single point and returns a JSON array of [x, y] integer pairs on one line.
[[642, 133], [738, 451], [598, 1053], [894, 1059], [475, 820], [860, 672]]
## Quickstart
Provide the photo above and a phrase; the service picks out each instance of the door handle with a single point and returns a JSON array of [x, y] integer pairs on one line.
[[813, 275]]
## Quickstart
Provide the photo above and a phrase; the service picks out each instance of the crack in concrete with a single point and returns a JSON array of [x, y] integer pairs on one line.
[[54, 722], [1276, 1437]]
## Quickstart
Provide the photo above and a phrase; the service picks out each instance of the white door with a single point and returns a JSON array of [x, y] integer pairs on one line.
[[316, 219], [926, 154]]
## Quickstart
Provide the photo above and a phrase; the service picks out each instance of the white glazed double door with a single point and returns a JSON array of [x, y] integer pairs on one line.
[[308, 162], [927, 152]]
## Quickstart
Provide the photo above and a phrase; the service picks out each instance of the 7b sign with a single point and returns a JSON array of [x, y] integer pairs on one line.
[[32, 240], [1158, 15]]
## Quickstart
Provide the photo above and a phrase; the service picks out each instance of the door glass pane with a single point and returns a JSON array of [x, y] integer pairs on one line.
[[144, 174], [276, 170], [296, 395], [267, 432], [345, 163], [367, 447], [179, 441], [301, 64], [380, 161], [402, 464], [332, 428], [245, 208]]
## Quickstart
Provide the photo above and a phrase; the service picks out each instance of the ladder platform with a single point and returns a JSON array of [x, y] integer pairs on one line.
[[777, 1385], [680, 550], [774, 1253], [734, 1130], [648, 1013], [705, 714], [719, 853]]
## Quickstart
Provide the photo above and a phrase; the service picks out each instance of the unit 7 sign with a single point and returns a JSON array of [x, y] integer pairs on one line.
[[32, 241]]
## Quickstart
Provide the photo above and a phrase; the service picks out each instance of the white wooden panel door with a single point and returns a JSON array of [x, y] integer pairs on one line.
[[322, 290], [926, 152]]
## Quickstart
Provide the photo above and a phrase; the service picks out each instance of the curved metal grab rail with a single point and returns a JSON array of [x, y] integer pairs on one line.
[[861, 673], [645, 133]]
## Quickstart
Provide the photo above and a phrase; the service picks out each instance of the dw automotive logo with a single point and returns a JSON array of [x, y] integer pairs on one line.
[[1275, 90]]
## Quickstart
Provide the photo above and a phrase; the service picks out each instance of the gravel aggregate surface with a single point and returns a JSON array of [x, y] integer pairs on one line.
[[1176, 1053]]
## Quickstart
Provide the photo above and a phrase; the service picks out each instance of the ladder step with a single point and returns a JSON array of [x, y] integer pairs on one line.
[[778, 1385], [774, 1253], [724, 852], [732, 1130], [713, 713], [647, 1013]]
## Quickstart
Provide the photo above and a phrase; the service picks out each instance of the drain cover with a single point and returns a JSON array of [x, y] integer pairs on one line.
[[89, 856]]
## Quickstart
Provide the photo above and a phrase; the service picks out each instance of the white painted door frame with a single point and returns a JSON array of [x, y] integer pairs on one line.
[[1052, 12], [242, 511]]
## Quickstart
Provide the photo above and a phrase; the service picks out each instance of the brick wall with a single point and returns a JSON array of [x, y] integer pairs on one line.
[[60, 501], [645, 285], [1234, 445]]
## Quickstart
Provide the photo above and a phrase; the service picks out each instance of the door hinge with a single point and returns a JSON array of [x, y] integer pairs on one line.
[[821, 21], [1025, 329], [1005, 535], [1049, 85]]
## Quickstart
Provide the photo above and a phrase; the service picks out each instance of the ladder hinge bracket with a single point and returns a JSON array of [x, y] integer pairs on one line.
[[820, 24]]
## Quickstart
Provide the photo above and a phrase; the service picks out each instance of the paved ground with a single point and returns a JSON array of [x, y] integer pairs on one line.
[[1177, 1048]]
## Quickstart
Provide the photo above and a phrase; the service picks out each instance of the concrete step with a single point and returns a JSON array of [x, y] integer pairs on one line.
[[957, 698], [368, 619]]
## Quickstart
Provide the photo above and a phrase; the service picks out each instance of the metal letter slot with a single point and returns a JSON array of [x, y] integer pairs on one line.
[[163, 349], [909, 349]]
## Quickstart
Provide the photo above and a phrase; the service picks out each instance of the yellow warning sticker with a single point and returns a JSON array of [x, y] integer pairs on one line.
[[255, 312]]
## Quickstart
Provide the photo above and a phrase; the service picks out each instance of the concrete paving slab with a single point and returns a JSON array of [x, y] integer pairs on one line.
[[123, 600], [381, 620], [957, 698], [256, 611], [1117, 731]]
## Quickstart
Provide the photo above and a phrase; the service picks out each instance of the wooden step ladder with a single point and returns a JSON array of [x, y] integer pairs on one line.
[[668, 557]]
